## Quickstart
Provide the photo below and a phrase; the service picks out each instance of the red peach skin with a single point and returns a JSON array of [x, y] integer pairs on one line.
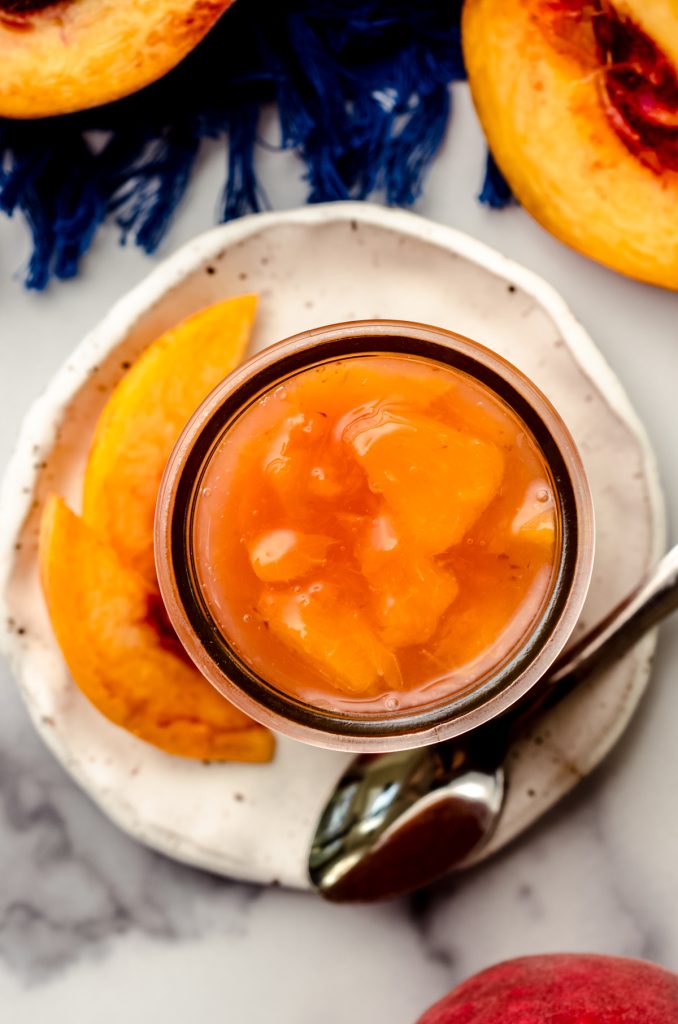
[[562, 989]]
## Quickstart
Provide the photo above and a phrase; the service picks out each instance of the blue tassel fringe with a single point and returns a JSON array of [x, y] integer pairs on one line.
[[495, 192], [362, 92]]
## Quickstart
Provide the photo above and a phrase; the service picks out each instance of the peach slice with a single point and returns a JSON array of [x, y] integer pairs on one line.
[[108, 622], [68, 55], [144, 417], [435, 480], [333, 636], [579, 103]]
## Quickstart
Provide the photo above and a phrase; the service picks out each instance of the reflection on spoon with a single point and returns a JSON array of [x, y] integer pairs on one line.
[[398, 821]]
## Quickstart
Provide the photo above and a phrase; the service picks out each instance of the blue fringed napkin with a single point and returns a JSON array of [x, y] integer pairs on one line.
[[362, 93]]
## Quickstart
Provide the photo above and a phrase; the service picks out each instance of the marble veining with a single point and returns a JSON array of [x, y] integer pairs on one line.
[[72, 882]]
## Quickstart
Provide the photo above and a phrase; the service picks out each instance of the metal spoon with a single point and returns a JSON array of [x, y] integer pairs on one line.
[[398, 821]]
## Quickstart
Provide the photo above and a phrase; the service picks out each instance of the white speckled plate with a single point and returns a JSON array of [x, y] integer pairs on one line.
[[315, 266]]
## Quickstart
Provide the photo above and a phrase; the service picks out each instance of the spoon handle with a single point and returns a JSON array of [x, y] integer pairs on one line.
[[618, 632]]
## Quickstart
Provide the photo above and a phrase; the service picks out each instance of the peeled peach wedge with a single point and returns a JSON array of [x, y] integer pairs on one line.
[[144, 417], [409, 599], [67, 55], [277, 556], [334, 637], [494, 586], [353, 383], [108, 621], [579, 103], [435, 481], [409, 592]]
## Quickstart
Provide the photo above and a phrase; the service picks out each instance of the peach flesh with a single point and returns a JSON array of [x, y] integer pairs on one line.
[[71, 55], [113, 633]]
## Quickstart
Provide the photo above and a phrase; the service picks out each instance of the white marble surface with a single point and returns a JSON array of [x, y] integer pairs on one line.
[[95, 928]]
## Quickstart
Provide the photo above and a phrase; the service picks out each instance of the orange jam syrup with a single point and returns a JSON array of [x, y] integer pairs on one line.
[[376, 533]]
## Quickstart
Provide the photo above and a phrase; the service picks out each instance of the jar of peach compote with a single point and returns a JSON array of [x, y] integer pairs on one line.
[[374, 535]]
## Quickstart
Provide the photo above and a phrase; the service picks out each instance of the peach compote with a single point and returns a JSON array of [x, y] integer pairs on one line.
[[376, 532]]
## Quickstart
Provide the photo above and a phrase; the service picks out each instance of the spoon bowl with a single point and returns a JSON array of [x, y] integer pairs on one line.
[[388, 811]]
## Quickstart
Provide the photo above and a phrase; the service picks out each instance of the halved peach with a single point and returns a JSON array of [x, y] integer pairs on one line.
[[579, 103], [144, 417], [68, 55], [108, 621]]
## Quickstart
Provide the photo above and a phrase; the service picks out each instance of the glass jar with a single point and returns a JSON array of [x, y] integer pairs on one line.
[[487, 697]]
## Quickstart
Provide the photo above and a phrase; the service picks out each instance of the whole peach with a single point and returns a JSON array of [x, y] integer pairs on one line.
[[562, 989]]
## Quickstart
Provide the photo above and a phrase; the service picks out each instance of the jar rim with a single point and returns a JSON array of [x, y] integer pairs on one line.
[[508, 682]]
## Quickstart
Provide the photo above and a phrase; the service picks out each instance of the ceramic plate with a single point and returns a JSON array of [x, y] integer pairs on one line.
[[310, 267]]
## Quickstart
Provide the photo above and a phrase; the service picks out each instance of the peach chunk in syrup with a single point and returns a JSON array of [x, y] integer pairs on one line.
[[376, 531]]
